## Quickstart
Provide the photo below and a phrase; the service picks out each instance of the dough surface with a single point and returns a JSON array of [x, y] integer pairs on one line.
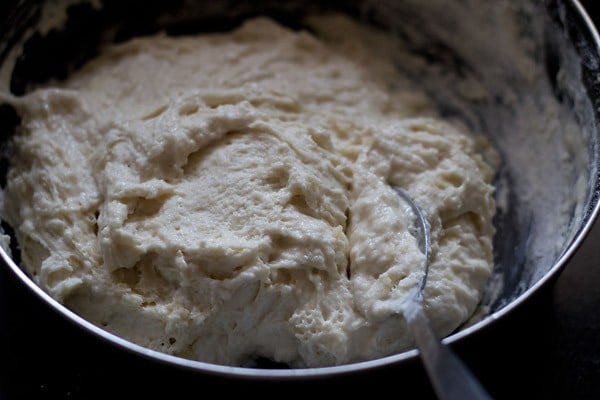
[[225, 197]]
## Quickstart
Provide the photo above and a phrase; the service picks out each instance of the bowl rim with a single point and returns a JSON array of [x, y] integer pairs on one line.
[[295, 373]]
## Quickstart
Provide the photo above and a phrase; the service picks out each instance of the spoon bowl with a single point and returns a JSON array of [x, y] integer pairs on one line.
[[449, 376]]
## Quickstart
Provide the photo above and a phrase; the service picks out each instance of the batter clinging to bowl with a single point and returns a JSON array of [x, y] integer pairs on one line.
[[224, 197]]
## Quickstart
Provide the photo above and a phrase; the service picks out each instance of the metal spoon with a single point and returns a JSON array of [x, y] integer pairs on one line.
[[449, 376]]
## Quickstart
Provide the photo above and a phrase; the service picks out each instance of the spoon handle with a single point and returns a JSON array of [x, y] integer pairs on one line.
[[450, 377]]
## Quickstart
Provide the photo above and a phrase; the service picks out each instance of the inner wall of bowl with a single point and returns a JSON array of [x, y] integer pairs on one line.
[[506, 68]]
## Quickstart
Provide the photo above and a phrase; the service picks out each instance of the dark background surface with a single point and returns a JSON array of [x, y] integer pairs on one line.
[[548, 347]]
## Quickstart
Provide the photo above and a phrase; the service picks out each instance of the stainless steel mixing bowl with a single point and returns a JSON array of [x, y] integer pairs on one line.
[[534, 66]]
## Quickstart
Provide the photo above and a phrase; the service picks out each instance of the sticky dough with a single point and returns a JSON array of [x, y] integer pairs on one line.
[[225, 197]]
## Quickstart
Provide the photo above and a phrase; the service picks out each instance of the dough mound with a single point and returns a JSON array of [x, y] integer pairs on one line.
[[225, 197]]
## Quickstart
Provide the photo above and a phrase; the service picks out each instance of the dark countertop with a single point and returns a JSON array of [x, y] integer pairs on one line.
[[548, 347]]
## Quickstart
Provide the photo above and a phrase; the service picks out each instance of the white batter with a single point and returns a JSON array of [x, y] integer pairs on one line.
[[226, 197]]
